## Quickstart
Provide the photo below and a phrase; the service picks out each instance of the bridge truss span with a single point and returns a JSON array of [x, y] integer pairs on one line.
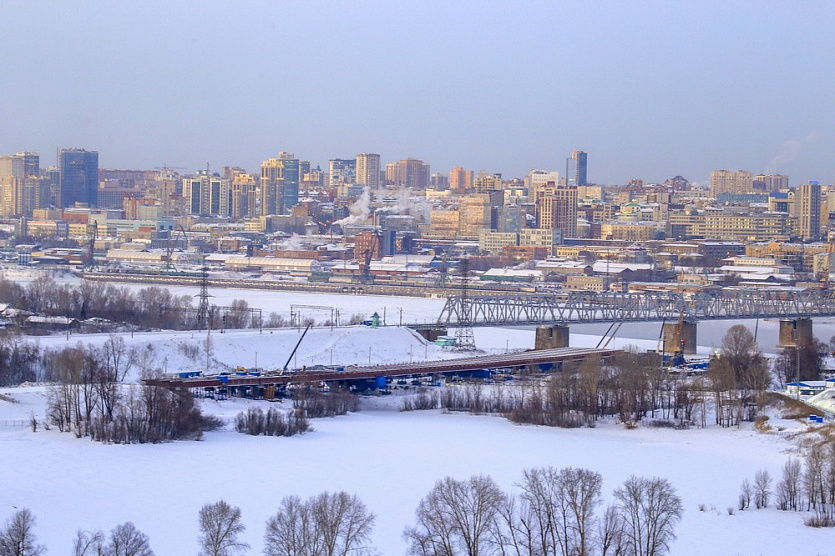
[[643, 306]]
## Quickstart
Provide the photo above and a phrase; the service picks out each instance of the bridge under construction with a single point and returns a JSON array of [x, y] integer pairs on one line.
[[541, 357], [585, 307]]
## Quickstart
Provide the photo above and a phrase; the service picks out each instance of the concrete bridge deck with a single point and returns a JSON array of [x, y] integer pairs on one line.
[[444, 366]]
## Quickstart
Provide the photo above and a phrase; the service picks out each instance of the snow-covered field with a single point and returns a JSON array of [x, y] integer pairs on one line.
[[388, 458]]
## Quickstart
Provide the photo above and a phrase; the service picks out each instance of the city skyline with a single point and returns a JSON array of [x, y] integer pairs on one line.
[[650, 90]]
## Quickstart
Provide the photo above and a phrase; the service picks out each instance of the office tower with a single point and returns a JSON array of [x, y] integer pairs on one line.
[[727, 181], [556, 209], [809, 211], [368, 170], [78, 177], [474, 214], [20, 165], [279, 184], [575, 169], [460, 180]]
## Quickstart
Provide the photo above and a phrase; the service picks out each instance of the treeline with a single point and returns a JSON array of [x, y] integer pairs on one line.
[[151, 307], [630, 386], [555, 514], [807, 484], [89, 399]]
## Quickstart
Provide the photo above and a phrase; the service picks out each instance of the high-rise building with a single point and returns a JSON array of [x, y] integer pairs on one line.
[[486, 183], [79, 176], [242, 197], [727, 181], [809, 211], [342, 171], [771, 182], [408, 172], [207, 194], [279, 184], [460, 180], [368, 170], [556, 209], [20, 165], [439, 182], [575, 169]]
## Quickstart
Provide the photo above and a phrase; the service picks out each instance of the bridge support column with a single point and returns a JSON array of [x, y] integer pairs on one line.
[[676, 339], [550, 337], [794, 331]]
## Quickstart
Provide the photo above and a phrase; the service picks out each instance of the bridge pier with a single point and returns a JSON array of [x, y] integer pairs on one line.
[[794, 331], [676, 339], [550, 337]]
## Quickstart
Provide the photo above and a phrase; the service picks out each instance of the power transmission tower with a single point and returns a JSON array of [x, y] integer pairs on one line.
[[464, 340], [203, 306]]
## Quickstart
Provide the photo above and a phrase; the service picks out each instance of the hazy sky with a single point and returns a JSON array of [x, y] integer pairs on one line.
[[648, 89]]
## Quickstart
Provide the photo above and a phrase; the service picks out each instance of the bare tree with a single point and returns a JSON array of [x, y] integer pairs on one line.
[[18, 537], [611, 533], [327, 524], [220, 525], [762, 488], [455, 518], [88, 543], [789, 487], [746, 492], [650, 509], [127, 540]]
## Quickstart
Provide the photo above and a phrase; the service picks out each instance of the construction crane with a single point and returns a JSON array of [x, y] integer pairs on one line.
[[367, 255]]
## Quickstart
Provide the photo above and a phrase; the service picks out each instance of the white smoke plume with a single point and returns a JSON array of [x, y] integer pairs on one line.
[[788, 152], [293, 243], [405, 203], [359, 210]]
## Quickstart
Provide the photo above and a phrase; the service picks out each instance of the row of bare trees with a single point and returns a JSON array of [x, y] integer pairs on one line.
[[808, 485], [88, 397], [554, 515], [151, 307], [631, 386]]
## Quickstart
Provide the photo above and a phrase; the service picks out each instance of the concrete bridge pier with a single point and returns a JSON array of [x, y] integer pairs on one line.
[[677, 338], [794, 332], [550, 337]]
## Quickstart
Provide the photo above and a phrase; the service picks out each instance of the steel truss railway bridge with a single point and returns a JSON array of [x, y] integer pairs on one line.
[[632, 307]]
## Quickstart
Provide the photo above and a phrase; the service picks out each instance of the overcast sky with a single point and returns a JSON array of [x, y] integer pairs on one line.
[[648, 89]]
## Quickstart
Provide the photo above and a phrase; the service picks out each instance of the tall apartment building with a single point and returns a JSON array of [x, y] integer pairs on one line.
[[808, 211], [537, 179], [206, 194], [460, 180], [556, 209], [78, 177], [771, 183], [439, 182], [279, 184], [486, 183], [342, 171], [242, 196], [20, 165], [368, 170], [576, 167], [727, 181], [409, 172]]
